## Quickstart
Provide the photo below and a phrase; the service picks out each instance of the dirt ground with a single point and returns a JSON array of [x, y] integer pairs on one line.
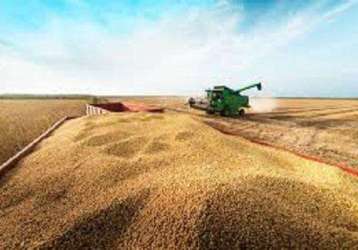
[[323, 128]]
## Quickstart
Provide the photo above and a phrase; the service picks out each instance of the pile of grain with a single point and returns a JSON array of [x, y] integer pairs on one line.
[[169, 181]]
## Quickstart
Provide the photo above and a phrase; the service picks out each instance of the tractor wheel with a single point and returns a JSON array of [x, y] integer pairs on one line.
[[225, 112], [241, 112], [210, 112]]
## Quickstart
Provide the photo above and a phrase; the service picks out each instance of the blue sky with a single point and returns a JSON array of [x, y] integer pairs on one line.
[[297, 47]]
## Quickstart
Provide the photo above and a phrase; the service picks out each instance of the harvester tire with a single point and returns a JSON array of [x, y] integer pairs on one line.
[[241, 112], [225, 112]]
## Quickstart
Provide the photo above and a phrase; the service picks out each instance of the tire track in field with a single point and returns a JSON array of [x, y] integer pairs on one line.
[[310, 112], [305, 110], [340, 112], [311, 120], [309, 116]]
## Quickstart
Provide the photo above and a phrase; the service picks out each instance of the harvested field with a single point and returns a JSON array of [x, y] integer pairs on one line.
[[325, 129], [143, 181], [21, 121]]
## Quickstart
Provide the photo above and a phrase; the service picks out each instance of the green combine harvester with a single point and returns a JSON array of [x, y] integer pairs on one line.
[[224, 101]]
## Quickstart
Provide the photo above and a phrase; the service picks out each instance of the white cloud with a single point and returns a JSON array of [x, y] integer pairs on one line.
[[330, 15], [181, 53]]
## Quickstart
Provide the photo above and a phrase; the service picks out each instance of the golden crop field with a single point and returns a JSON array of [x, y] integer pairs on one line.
[[21, 121], [188, 180]]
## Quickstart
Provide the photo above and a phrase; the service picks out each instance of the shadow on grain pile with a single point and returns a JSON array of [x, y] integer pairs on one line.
[[168, 181]]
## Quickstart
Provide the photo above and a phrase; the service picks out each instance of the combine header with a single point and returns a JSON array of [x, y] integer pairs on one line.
[[224, 101]]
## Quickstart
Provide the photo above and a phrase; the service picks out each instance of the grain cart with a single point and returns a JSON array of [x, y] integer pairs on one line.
[[225, 101]]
